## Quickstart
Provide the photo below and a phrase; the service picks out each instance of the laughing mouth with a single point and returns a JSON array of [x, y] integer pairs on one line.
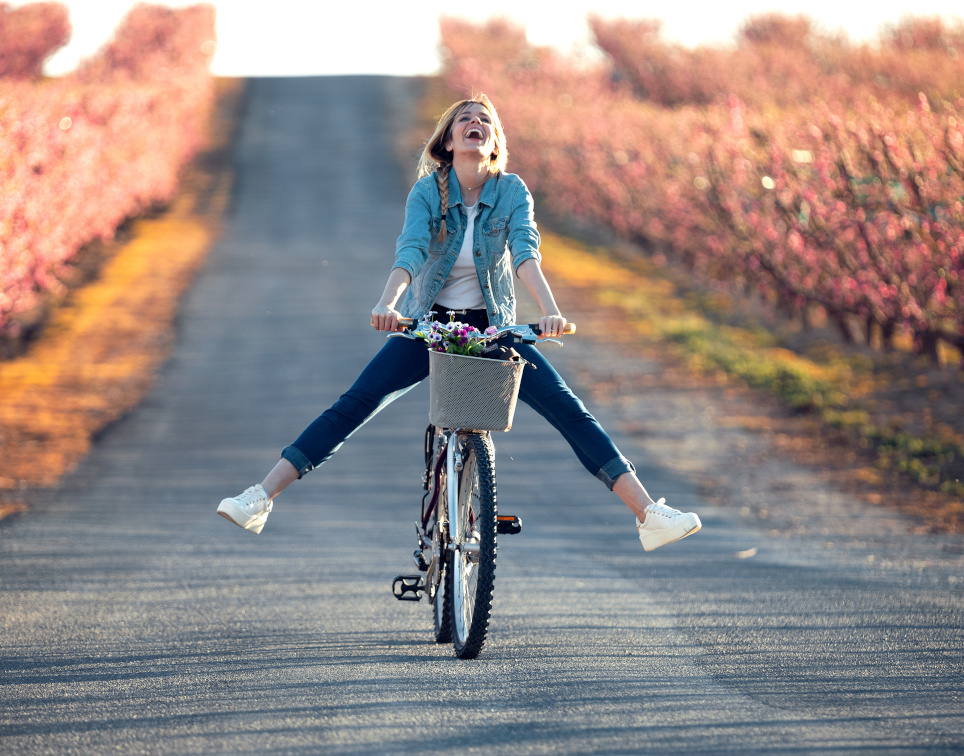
[[474, 133]]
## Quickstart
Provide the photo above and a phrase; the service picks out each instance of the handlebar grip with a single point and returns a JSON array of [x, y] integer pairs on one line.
[[569, 328]]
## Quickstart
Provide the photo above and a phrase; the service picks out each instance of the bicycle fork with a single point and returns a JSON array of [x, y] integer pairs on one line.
[[455, 529]]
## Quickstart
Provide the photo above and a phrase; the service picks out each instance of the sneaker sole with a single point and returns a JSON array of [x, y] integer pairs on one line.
[[653, 541], [231, 513]]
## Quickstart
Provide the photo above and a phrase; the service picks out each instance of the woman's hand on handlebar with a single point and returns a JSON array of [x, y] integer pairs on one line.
[[384, 315], [385, 318], [552, 325]]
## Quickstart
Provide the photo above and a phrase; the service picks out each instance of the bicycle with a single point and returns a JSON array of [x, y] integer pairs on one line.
[[459, 522]]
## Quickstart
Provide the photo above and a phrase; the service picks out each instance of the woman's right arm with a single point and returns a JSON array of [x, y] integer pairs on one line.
[[384, 315], [411, 251]]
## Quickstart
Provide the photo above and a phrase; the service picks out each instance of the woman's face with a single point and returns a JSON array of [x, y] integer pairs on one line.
[[472, 132]]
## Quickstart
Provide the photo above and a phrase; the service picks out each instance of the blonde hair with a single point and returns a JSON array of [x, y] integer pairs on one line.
[[435, 158]]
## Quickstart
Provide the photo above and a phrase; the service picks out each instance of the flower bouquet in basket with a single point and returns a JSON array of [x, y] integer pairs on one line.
[[454, 337]]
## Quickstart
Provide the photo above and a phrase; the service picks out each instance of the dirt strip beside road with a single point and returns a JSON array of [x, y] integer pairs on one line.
[[99, 353]]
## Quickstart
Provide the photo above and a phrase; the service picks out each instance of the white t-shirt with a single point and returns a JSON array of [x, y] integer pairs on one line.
[[461, 290]]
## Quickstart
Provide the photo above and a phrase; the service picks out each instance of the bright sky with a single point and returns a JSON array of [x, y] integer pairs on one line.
[[313, 37]]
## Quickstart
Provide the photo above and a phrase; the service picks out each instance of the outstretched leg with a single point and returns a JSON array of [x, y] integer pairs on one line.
[[545, 391], [397, 367]]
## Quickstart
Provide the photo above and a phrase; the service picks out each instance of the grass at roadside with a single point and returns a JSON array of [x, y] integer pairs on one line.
[[841, 390], [98, 354]]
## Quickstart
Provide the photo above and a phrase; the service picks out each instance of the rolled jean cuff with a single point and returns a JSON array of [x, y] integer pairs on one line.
[[613, 469], [301, 463]]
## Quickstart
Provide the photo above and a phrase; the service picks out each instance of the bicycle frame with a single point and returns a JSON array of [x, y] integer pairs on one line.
[[442, 501]]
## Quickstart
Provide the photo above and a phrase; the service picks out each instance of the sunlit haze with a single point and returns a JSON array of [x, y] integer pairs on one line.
[[300, 37]]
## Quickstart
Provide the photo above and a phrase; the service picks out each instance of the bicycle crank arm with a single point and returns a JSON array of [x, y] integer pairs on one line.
[[408, 587]]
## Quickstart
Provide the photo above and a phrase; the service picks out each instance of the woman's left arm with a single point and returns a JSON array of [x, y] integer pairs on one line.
[[552, 322], [523, 243]]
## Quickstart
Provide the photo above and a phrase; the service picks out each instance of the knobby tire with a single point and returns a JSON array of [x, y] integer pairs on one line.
[[472, 583]]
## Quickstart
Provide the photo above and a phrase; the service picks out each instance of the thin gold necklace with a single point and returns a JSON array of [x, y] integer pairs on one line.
[[472, 188]]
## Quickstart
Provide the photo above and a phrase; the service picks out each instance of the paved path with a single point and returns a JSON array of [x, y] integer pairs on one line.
[[133, 620]]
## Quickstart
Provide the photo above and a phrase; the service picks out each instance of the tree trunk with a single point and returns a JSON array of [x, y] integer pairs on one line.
[[887, 331], [840, 320], [869, 323], [926, 344]]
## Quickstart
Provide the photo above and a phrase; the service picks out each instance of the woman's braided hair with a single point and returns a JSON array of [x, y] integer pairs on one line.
[[442, 178], [435, 158]]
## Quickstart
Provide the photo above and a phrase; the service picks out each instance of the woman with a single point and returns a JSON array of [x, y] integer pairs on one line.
[[468, 229]]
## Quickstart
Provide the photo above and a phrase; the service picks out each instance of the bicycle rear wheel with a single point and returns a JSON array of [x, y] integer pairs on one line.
[[471, 569], [442, 604]]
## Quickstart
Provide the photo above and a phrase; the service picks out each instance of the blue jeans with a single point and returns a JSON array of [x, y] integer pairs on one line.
[[403, 363]]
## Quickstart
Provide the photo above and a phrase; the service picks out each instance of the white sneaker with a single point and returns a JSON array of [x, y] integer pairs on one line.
[[248, 510], [664, 525]]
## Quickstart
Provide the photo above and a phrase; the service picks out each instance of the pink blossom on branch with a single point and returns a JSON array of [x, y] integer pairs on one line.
[[853, 205], [85, 152], [29, 35]]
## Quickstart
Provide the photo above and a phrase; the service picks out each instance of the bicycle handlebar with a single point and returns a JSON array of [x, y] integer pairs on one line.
[[525, 333]]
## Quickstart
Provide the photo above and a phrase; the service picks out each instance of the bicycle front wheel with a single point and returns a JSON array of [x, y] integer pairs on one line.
[[472, 565]]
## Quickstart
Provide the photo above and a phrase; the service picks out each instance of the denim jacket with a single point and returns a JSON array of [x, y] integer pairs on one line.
[[505, 237]]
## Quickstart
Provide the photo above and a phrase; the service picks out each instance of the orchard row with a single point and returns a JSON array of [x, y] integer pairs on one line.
[[851, 202], [85, 152]]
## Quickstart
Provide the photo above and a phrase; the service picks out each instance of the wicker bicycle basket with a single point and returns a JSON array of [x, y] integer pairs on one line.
[[472, 393]]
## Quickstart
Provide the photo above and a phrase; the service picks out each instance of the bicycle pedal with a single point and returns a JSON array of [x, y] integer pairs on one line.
[[408, 587], [508, 525]]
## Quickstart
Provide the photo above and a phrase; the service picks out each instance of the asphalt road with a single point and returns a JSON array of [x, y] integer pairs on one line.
[[134, 620]]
